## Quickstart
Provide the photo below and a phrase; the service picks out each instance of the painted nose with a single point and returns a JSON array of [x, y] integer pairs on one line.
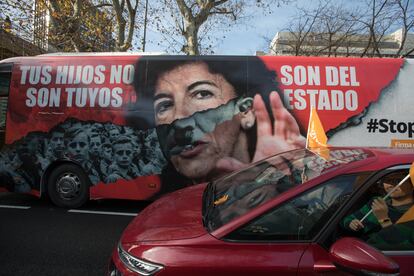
[[184, 131], [184, 135]]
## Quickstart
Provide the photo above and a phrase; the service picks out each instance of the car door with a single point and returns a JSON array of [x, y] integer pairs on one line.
[[402, 254], [395, 241], [296, 222]]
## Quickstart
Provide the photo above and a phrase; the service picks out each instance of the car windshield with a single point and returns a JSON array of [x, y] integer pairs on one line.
[[236, 194]]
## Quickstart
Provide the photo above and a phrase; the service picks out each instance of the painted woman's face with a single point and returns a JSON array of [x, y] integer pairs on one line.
[[189, 89]]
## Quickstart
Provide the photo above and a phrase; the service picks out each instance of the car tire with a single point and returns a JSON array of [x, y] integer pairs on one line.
[[68, 186]]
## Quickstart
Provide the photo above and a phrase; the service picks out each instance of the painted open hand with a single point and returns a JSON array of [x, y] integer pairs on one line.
[[282, 135], [272, 138]]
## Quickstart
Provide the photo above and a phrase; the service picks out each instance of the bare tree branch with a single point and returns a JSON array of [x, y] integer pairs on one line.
[[188, 18]]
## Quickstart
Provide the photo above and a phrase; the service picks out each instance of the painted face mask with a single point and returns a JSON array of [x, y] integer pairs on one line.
[[184, 133]]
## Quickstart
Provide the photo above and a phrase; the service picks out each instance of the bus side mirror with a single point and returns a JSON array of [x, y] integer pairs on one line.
[[356, 256]]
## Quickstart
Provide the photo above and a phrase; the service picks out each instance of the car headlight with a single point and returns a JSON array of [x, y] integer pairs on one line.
[[137, 265]]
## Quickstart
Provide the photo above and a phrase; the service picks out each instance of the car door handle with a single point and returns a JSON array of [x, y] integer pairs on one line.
[[324, 266]]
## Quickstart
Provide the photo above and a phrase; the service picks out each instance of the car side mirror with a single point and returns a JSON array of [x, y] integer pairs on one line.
[[356, 256]]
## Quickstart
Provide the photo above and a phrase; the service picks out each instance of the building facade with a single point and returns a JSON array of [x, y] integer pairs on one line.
[[319, 44], [94, 33], [15, 41]]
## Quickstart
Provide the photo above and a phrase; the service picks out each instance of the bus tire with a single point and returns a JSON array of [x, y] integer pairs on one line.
[[68, 186]]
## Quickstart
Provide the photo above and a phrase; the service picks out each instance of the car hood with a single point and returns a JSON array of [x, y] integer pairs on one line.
[[172, 217]]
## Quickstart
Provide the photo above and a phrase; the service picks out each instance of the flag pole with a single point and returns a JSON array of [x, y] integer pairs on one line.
[[309, 123]]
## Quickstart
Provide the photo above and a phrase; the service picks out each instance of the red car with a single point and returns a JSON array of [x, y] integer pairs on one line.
[[291, 214]]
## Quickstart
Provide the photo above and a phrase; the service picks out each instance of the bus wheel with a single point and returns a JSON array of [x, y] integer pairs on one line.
[[68, 186]]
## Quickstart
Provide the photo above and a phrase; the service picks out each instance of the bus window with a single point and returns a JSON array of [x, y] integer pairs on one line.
[[5, 76]]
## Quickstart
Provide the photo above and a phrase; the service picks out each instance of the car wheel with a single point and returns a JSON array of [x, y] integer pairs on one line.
[[68, 186]]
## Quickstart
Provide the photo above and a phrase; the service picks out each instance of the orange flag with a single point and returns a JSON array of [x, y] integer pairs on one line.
[[316, 139]]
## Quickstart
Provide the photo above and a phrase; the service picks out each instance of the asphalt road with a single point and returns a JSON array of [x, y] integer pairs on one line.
[[37, 238]]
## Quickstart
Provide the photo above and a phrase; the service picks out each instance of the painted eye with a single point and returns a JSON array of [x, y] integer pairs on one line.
[[161, 107], [203, 94]]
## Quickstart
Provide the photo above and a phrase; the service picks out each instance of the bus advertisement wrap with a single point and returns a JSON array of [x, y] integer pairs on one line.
[[143, 126]]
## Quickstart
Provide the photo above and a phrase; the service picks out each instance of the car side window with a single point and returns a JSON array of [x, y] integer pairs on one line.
[[302, 217], [384, 215]]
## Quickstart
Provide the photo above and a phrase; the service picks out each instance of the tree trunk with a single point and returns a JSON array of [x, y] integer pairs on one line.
[[191, 35], [119, 7]]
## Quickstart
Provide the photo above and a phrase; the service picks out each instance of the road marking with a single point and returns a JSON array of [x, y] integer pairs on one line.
[[15, 207], [102, 212]]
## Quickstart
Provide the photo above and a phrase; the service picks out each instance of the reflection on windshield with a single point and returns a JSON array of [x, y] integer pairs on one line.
[[240, 192]]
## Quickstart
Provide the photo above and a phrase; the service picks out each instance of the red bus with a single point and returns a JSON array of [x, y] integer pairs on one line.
[[88, 126]]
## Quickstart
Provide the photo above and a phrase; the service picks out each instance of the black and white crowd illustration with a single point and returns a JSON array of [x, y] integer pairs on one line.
[[107, 152]]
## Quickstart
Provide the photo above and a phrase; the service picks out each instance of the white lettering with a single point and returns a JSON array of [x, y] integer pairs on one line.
[[71, 74], [100, 77], [24, 70], [314, 77], [93, 92], [87, 74], [78, 75], [116, 73], [81, 96], [287, 78], [331, 76], [70, 91], [352, 76], [54, 97], [300, 103], [343, 75], [104, 97], [42, 97], [337, 100], [351, 100], [61, 74], [299, 75], [324, 101], [46, 76], [312, 94], [128, 74], [34, 74], [117, 99], [30, 94]]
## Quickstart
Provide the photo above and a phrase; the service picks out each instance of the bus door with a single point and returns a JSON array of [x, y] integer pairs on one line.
[[5, 78]]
